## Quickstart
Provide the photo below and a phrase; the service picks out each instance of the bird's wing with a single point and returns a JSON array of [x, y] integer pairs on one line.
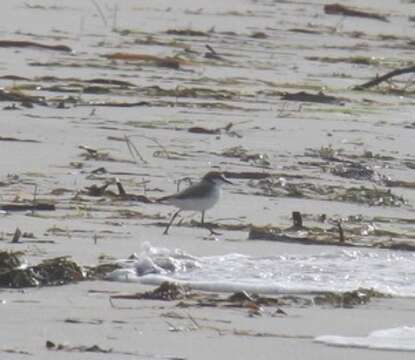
[[201, 188]]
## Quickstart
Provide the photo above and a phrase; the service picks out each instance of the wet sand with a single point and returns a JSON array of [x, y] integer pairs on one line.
[[73, 315]]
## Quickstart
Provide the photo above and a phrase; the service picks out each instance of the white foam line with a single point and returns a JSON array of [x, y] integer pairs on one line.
[[396, 339], [215, 286]]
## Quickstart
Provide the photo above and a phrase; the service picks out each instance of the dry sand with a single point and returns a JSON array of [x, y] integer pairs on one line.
[[140, 329]]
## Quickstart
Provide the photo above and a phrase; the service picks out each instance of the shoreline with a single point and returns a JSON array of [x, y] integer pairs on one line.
[[75, 316]]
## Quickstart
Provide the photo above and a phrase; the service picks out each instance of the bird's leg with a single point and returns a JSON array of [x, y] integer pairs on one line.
[[203, 218], [171, 222], [208, 226]]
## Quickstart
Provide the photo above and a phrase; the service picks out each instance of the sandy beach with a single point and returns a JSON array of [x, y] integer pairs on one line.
[[152, 94], [74, 315]]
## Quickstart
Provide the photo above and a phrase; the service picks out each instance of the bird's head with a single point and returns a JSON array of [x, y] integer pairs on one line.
[[216, 177]]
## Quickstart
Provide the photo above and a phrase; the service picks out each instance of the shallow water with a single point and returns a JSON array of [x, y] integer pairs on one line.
[[389, 272]]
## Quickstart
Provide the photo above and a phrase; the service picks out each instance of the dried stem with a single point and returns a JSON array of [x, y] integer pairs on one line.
[[133, 150], [100, 12], [154, 140]]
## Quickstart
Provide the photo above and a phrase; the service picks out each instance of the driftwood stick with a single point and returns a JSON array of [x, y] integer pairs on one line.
[[26, 207], [297, 220], [17, 235], [120, 188], [25, 44], [341, 232], [378, 79], [337, 9]]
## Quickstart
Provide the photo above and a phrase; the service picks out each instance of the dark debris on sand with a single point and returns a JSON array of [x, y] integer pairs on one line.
[[50, 272], [254, 303]]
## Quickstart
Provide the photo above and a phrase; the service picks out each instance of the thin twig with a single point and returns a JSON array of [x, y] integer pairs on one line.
[[111, 303], [193, 321], [154, 140], [133, 150], [115, 18], [172, 327], [34, 195], [378, 79], [341, 233], [100, 12], [144, 182]]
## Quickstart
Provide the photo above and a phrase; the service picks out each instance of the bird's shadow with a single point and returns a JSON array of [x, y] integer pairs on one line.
[[192, 224]]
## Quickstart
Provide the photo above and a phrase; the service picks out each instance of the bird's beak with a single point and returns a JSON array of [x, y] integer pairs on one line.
[[226, 180]]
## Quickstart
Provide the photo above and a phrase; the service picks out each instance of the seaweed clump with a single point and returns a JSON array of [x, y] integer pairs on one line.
[[371, 197], [167, 291], [348, 299], [50, 272], [376, 196], [10, 260]]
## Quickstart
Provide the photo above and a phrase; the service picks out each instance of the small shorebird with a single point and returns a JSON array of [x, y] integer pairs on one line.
[[198, 197]]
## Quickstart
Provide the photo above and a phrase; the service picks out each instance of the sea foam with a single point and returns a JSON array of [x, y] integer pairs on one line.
[[400, 338], [389, 272]]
